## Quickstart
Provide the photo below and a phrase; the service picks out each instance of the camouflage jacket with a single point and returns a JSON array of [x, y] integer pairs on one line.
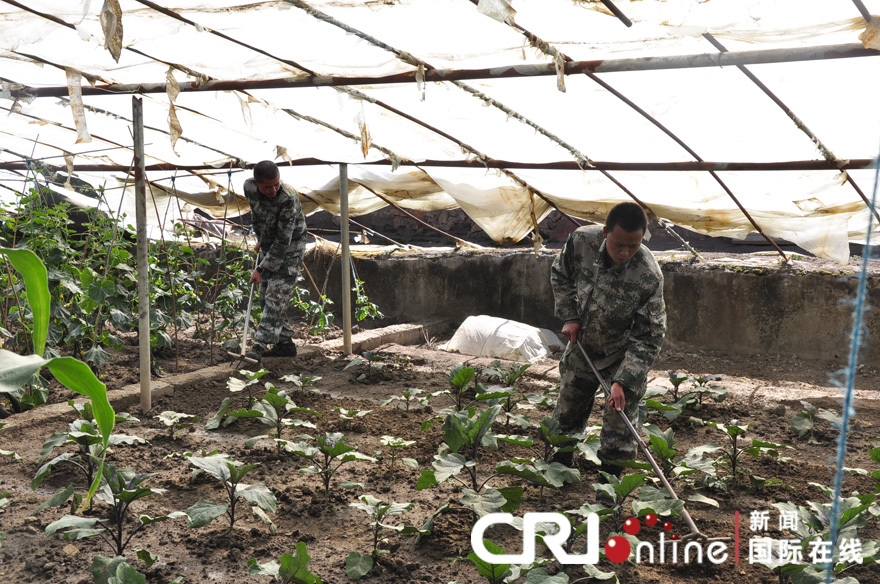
[[621, 308], [280, 226]]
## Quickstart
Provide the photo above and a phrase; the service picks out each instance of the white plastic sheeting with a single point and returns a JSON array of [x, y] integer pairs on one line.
[[490, 336], [718, 113]]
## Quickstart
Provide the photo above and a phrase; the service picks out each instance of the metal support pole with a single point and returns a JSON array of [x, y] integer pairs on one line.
[[346, 258], [142, 252]]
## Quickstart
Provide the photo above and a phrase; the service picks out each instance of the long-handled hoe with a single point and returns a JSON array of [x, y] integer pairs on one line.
[[695, 532], [244, 336]]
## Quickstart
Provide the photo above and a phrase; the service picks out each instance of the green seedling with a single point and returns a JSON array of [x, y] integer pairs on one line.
[[395, 444], [363, 307], [329, 453], [730, 456], [703, 388], [230, 474], [301, 381], [273, 410], [350, 415], [289, 569], [253, 377], [379, 513], [119, 490], [460, 378], [174, 421], [493, 573], [85, 435], [409, 397], [464, 434], [375, 367], [804, 423], [507, 376], [115, 570], [676, 379]]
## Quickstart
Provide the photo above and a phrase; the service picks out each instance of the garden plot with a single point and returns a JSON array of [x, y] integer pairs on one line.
[[347, 453]]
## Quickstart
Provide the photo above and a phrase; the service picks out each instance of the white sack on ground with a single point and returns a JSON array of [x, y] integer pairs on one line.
[[489, 336]]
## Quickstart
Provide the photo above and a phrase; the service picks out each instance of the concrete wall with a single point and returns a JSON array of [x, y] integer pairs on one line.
[[741, 310]]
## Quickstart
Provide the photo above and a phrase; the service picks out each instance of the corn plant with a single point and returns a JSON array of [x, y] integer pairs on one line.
[[230, 474], [329, 453], [289, 569], [119, 490]]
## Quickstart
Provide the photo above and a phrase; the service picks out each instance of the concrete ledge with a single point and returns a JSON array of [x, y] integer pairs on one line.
[[401, 334]]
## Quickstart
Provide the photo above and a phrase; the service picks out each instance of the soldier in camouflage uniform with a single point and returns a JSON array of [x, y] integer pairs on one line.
[[280, 226], [609, 293]]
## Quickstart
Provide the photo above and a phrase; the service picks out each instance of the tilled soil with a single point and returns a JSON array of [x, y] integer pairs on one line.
[[763, 391]]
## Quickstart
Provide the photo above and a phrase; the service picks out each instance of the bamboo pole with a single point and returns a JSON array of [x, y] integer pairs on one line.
[[142, 263], [346, 258]]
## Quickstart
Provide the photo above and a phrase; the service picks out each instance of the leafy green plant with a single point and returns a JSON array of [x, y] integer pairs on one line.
[[676, 379], [301, 381], [289, 569], [507, 375], [363, 307], [460, 378], [175, 421], [273, 410], [410, 396], [494, 573], [329, 453], [90, 447], [464, 434], [730, 456], [394, 444], [351, 414], [804, 422], [379, 513], [115, 570], [703, 387], [119, 490], [230, 474], [236, 385]]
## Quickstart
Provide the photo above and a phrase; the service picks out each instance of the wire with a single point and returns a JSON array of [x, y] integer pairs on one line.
[[848, 410]]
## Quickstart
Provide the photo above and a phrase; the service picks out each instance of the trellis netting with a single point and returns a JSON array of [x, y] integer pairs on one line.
[[786, 129]]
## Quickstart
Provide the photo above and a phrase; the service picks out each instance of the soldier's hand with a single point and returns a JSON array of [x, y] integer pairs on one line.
[[256, 277], [616, 401], [571, 331]]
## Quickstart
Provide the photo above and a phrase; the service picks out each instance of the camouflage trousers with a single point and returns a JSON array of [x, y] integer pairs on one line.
[[576, 396], [276, 300]]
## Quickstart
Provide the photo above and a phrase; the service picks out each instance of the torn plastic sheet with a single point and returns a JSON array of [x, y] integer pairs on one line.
[[111, 24], [74, 90]]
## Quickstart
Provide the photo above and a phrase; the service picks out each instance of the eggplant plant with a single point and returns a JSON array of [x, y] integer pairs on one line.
[[175, 421], [230, 474], [409, 397], [90, 448], [804, 422], [119, 489], [464, 434], [730, 455], [273, 410], [357, 564], [236, 385], [301, 381], [291, 568], [328, 454], [394, 444]]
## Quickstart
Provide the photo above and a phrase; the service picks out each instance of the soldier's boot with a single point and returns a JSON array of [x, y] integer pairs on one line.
[[257, 351], [283, 348], [563, 458]]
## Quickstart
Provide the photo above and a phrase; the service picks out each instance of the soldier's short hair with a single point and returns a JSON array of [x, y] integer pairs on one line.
[[265, 170], [630, 216]]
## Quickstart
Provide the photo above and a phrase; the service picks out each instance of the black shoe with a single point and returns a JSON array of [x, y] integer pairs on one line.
[[283, 348], [563, 458], [611, 469], [256, 353]]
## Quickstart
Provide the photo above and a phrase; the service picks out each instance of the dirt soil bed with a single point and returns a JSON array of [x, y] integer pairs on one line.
[[764, 392]]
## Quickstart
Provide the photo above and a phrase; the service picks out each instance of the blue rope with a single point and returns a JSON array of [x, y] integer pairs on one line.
[[855, 343]]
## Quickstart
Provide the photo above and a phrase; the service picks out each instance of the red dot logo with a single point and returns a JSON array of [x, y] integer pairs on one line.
[[632, 526], [674, 537], [667, 526], [617, 549], [650, 520]]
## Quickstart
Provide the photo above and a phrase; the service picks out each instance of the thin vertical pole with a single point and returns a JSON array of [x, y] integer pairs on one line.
[[142, 252], [346, 258]]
